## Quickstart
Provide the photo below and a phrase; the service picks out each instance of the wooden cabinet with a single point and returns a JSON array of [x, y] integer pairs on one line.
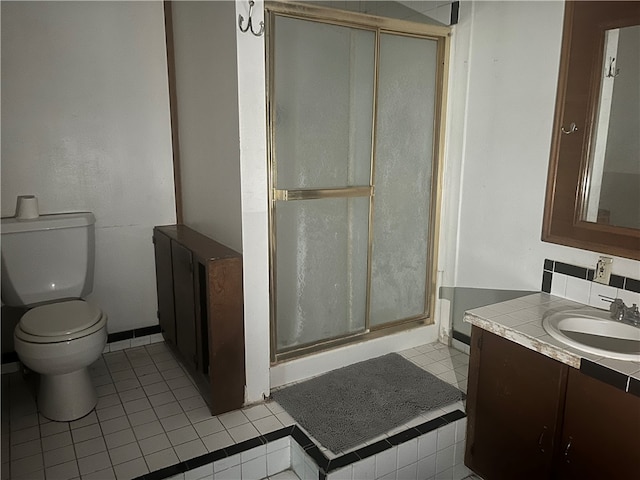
[[532, 417], [513, 407], [200, 309], [601, 431]]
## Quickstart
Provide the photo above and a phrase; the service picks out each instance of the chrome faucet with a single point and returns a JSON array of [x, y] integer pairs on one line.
[[622, 313]]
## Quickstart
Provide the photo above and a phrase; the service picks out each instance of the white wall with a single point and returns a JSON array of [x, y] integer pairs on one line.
[[85, 127], [512, 60], [207, 93], [253, 174]]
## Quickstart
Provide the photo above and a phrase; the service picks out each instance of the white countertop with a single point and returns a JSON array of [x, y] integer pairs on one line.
[[520, 320]]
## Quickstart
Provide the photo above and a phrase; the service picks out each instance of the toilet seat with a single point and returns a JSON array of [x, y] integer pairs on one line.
[[60, 322]]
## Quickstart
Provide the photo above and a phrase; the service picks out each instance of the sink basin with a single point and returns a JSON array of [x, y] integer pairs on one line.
[[594, 332]]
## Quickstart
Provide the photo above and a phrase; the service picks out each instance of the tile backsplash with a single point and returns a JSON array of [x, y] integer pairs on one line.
[[576, 283]]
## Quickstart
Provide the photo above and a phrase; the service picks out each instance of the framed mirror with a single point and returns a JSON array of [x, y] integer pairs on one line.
[[593, 186]]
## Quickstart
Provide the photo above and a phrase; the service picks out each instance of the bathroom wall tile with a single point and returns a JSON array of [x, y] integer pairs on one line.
[[427, 467], [139, 341], [628, 297], [427, 444], [461, 430], [445, 475], [386, 462], [407, 473], [578, 290], [255, 469], [233, 473], [345, 473], [120, 345], [407, 453], [601, 296], [279, 460], [226, 463], [559, 284], [444, 459], [256, 452], [446, 436], [200, 473]]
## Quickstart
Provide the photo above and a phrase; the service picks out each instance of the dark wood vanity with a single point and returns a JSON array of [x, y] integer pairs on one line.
[[532, 417], [200, 309]]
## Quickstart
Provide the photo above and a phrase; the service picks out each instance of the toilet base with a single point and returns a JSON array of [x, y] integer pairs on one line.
[[66, 397]]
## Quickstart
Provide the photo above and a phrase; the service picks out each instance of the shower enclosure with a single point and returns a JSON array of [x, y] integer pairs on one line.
[[355, 119]]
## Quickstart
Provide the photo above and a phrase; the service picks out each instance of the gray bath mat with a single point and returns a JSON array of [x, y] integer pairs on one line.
[[351, 405]]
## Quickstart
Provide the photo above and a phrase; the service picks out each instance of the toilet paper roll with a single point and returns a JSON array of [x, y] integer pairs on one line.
[[27, 207]]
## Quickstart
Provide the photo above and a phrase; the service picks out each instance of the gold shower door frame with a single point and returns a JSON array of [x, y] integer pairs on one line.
[[379, 26]]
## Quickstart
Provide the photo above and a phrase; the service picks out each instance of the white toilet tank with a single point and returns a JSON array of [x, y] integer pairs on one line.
[[47, 258]]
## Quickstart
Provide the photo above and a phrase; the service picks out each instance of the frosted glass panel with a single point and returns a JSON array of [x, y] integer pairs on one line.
[[404, 156], [321, 269], [323, 95]]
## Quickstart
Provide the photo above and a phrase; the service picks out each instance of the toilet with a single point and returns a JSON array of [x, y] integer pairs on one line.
[[47, 266]]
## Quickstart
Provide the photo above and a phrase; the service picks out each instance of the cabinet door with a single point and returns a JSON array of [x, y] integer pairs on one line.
[[164, 285], [513, 406], [184, 297], [601, 433]]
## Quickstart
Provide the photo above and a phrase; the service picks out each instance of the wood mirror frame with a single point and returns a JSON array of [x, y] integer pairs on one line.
[[585, 24]]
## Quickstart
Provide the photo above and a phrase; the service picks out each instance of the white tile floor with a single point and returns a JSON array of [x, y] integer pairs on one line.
[[150, 415]]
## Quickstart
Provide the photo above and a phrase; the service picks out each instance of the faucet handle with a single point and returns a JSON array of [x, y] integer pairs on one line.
[[617, 309]]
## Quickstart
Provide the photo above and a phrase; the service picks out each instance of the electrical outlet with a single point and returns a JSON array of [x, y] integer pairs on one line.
[[603, 270]]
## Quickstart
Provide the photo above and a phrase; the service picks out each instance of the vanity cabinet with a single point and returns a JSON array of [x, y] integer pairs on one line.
[[601, 431], [532, 417], [200, 309]]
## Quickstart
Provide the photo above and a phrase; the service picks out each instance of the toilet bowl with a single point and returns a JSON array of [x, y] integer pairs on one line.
[[60, 341]]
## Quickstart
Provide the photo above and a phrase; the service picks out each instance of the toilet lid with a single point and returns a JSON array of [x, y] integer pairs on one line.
[[56, 319]]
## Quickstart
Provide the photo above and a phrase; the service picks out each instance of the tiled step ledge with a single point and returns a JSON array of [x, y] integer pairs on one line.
[[432, 448]]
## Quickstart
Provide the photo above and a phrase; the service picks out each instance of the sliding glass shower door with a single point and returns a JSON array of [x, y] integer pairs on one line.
[[351, 166]]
